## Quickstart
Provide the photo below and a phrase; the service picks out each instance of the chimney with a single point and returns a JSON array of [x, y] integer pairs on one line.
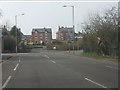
[[58, 27]]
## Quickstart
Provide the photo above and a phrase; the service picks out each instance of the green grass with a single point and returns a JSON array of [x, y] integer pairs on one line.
[[95, 56], [6, 57], [89, 54]]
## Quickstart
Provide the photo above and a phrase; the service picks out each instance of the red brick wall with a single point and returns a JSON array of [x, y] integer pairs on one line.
[[41, 36], [58, 35]]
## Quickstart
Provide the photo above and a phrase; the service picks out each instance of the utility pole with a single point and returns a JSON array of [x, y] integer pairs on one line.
[[73, 27], [16, 28]]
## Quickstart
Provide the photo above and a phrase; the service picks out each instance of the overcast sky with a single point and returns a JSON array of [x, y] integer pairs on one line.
[[49, 14]]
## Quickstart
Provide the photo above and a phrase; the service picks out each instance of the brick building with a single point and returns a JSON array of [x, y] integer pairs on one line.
[[65, 33], [26, 39], [41, 35]]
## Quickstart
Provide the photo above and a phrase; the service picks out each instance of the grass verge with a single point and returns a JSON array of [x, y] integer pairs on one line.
[[6, 57], [99, 57]]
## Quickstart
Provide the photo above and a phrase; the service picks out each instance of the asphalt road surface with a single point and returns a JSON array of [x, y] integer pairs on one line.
[[57, 69]]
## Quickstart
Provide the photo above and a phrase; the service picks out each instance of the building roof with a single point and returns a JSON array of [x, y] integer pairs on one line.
[[26, 37], [65, 29], [78, 35], [41, 30]]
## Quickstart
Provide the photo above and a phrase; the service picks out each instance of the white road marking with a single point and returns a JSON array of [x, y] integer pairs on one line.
[[96, 83], [19, 59], [112, 67], [52, 61], [16, 67], [5, 84], [46, 56]]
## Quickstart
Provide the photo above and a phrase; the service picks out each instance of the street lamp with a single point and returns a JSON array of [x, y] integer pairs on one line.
[[73, 26], [16, 27]]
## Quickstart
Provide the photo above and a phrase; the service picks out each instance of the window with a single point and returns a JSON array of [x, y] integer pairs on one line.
[[45, 34], [61, 34], [41, 34], [36, 37], [62, 38]]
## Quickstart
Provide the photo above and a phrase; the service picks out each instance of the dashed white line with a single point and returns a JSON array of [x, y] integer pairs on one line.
[[19, 59], [52, 61], [5, 84], [16, 67], [111, 67], [46, 56], [95, 83]]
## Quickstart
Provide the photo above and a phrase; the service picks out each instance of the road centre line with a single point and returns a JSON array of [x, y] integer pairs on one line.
[[5, 84], [16, 67], [19, 59], [46, 56], [52, 61], [95, 83]]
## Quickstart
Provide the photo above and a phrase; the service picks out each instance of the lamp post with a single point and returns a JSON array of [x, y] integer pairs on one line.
[[16, 27], [73, 27]]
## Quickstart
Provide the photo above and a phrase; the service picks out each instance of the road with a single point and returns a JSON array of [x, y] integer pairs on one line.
[[57, 69]]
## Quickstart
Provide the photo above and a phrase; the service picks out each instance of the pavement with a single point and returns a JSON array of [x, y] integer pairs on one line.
[[57, 69]]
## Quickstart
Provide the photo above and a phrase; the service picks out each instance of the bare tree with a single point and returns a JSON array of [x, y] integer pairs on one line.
[[0, 13], [101, 32]]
